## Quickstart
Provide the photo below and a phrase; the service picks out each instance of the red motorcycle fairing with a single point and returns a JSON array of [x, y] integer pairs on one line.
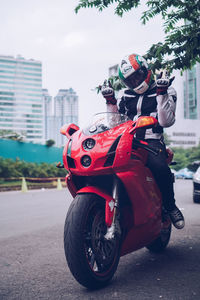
[[74, 151], [140, 195], [71, 186], [109, 205], [142, 218], [109, 201]]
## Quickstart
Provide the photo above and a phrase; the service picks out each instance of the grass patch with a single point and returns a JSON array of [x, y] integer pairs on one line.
[[12, 185]]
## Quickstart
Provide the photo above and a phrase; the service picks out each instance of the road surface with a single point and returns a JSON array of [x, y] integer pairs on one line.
[[33, 266]]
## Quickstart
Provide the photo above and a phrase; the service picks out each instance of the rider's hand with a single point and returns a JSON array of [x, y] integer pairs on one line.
[[108, 93], [163, 82]]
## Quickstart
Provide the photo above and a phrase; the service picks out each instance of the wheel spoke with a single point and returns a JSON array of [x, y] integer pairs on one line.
[[92, 260], [95, 268]]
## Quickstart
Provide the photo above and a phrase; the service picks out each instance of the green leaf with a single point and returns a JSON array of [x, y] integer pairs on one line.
[[181, 48]]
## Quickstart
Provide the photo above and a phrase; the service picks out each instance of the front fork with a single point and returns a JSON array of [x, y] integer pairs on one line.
[[114, 229]]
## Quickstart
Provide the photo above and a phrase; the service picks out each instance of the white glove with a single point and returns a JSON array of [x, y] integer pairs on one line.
[[108, 92], [163, 82]]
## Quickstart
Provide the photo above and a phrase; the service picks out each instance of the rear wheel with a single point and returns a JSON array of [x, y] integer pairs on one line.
[[196, 198], [159, 244], [92, 259]]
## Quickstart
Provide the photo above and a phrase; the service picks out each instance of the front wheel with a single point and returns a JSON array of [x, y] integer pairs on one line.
[[91, 258], [159, 244]]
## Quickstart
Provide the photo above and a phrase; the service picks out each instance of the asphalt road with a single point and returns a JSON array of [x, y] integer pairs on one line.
[[33, 266]]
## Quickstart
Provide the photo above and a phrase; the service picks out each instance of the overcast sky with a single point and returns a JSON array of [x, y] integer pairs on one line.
[[76, 50]]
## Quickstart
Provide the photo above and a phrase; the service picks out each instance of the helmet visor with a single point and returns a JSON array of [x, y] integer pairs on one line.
[[135, 79]]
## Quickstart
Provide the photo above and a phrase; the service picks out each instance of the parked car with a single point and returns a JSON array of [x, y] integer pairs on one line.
[[184, 174], [196, 186]]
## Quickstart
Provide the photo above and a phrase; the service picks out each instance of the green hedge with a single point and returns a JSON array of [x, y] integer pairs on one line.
[[19, 168], [187, 158]]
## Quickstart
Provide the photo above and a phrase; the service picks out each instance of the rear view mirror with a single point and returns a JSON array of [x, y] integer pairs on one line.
[[144, 122], [69, 129]]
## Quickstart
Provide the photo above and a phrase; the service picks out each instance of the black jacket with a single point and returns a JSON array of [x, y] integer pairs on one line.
[[149, 103]]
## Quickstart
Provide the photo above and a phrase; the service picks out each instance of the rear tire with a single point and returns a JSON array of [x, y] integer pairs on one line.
[[159, 244], [196, 199], [91, 258]]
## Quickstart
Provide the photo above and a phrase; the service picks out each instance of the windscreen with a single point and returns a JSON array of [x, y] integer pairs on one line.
[[104, 121]]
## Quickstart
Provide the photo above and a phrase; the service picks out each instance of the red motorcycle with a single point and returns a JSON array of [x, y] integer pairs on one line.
[[117, 206]]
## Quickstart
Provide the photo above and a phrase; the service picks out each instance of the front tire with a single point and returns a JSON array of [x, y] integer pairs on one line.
[[91, 258]]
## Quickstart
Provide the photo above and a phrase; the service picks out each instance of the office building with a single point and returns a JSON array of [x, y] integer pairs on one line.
[[66, 106], [185, 132], [48, 111], [191, 79], [65, 111], [21, 107], [113, 70]]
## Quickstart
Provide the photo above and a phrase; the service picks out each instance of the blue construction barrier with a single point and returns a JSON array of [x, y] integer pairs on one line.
[[30, 152]]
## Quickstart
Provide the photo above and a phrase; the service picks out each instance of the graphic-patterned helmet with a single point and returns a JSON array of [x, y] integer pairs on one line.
[[134, 73]]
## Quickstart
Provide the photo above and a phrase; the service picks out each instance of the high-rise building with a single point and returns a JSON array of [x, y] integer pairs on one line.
[[48, 111], [65, 111], [191, 79], [113, 70], [66, 106], [185, 132], [21, 107]]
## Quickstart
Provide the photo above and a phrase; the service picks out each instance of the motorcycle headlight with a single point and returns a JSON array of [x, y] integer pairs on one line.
[[86, 161], [88, 144]]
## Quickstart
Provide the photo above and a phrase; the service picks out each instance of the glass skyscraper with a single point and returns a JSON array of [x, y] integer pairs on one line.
[[192, 93], [65, 110], [48, 110], [21, 106], [66, 106]]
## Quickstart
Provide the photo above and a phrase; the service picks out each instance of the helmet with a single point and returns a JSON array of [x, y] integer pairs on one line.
[[134, 73]]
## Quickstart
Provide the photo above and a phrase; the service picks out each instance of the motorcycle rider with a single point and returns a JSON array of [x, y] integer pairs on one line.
[[144, 96]]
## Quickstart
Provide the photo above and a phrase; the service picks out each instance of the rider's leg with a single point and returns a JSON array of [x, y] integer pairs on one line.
[[164, 178]]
